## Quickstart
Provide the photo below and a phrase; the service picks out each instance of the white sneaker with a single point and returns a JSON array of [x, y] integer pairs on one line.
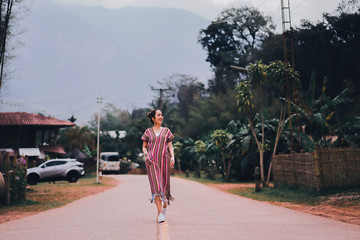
[[161, 218], [163, 212]]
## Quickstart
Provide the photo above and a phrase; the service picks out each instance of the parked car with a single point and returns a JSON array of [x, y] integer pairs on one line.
[[110, 162], [56, 169]]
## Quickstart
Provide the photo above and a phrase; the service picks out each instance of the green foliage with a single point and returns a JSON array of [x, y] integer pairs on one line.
[[76, 137], [323, 116], [231, 40], [244, 96], [200, 147], [330, 47], [220, 138], [18, 182]]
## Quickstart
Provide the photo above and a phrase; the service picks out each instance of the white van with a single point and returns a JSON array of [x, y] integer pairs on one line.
[[110, 162]]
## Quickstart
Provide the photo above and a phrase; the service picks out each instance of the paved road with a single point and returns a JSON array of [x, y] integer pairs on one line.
[[199, 212]]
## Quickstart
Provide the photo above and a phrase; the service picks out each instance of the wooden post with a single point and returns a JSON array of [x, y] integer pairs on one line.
[[317, 170], [257, 176], [2, 161], [14, 162], [7, 179]]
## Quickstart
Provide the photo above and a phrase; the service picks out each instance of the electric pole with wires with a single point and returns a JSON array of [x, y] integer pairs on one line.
[[161, 95], [289, 60]]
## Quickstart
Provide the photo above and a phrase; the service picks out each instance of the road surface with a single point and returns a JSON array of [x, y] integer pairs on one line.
[[199, 212]]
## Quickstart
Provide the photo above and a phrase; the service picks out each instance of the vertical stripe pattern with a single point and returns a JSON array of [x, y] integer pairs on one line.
[[159, 171]]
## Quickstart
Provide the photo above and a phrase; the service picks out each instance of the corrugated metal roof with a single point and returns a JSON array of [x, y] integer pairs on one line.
[[52, 149], [22, 118]]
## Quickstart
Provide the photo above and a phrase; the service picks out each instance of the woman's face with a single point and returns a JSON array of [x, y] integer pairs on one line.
[[158, 118]]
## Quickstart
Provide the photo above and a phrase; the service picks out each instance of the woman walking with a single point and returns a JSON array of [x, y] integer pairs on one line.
[[159, 157]]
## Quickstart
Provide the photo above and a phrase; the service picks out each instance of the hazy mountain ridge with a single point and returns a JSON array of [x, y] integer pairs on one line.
[[73, 54]]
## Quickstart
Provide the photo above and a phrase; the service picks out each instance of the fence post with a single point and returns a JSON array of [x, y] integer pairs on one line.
[[257, 177], [318, 171], [7, 179]]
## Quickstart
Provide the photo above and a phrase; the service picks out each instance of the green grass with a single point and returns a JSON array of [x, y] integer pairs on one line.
[[204, 179], [271, 194]]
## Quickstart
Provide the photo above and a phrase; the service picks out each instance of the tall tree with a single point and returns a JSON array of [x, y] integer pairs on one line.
[[6, 23], [112, 118], [79, 137], [231, 40]]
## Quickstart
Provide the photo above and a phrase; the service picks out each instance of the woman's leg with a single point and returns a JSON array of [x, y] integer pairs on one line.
[[164, 208], [158, 204]]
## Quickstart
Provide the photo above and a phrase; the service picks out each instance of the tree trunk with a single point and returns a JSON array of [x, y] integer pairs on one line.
[[199, 168], [179, 166], [262, 148], [228, 171], [224, 171], [5, 24], [278, 134]]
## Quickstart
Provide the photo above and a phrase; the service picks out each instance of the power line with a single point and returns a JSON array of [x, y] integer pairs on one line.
[[348, 31], [161, 91]]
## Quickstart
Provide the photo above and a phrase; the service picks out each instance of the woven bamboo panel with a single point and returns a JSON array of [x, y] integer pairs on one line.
[[339, 167], [336, 168], [295, 169]]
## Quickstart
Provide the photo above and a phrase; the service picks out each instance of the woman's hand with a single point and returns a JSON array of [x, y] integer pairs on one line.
[[172, 161], [147, 160]]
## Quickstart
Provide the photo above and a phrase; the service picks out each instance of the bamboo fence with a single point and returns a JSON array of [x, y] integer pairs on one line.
[[336, 168]]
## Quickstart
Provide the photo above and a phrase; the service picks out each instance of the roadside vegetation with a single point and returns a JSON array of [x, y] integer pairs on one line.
[[45, 196]]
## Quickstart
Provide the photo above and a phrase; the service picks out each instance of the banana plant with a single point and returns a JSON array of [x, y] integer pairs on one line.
[[323, 116], [221, 139], [200, 149]]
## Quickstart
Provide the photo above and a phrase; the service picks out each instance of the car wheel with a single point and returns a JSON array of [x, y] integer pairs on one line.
[[32, 179], [72, 176]]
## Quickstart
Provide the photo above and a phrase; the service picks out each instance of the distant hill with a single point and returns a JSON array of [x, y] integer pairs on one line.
[[73, 54]]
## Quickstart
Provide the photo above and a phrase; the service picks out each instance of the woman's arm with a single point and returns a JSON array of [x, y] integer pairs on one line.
[[171, 149], [145, 151]]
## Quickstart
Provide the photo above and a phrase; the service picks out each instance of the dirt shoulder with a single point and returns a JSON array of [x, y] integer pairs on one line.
[[45, 196], [341, 207]]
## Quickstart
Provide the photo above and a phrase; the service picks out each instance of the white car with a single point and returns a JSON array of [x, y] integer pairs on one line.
[[110, 162], [56, 169]]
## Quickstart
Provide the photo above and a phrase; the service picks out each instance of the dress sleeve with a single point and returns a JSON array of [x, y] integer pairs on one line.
[[145, 136], [169, 136]]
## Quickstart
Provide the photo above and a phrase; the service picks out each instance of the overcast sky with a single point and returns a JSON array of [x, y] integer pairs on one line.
[[209, 9]]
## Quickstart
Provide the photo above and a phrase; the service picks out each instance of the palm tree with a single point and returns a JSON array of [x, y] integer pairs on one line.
[[261, 76]]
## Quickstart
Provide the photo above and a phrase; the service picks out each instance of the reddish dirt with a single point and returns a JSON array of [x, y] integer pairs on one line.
[[348, 212]]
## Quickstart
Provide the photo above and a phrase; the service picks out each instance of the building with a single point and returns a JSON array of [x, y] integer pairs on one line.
[[30, 134]]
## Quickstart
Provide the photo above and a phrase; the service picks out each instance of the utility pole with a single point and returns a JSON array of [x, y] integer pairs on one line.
[[99, 101], [161, 91], [288, 56]]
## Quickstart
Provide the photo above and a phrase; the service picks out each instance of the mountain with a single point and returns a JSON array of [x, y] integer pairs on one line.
[[73, 54]]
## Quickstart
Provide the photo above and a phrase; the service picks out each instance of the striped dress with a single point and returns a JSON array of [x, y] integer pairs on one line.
[[159, 171]]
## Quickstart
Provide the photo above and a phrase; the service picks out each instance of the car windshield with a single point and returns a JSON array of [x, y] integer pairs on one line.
[[113, 158]]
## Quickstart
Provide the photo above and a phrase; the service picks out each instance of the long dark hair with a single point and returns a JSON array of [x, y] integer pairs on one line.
[[151, 115]]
